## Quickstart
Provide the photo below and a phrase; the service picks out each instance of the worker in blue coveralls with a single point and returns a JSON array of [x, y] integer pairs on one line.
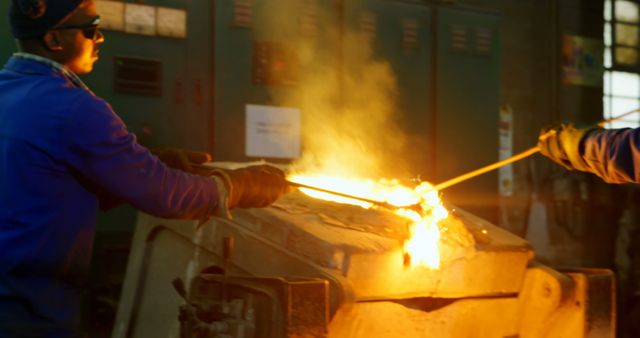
[[63, 154], [614, 156]]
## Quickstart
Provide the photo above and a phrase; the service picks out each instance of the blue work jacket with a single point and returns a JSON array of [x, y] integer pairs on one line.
[[62, 149], [614, 154]]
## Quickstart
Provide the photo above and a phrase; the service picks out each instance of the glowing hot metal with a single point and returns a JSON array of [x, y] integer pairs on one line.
[[421, 205], [415, 207]]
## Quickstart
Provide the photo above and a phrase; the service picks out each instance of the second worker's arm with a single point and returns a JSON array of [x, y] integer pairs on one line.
[[613, 155]]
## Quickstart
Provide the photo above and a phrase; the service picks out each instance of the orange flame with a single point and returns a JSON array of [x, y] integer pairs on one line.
[[423, 246]]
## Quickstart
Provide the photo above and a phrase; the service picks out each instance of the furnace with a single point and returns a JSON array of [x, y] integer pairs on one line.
[[306, 267]]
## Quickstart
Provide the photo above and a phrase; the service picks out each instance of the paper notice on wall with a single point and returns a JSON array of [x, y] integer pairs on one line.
[[505, 130], [272, 132]]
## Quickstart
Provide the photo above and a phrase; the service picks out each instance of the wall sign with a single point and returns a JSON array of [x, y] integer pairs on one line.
[[140, 19], [272, 132], [172, 22], [111, 14], [505, 133]]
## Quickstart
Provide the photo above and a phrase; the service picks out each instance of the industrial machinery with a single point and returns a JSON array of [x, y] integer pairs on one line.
[[305, 267], [185, 74]]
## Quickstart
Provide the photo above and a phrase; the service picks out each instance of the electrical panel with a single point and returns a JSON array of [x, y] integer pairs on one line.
[[274, 64]]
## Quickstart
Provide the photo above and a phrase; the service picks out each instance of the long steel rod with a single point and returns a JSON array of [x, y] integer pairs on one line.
[[326, 191], [382, 204], [488, 168], [611, 119], [358, 198], [514, 158]]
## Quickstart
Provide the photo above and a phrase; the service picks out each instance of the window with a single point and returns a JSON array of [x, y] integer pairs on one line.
[[622, 61]]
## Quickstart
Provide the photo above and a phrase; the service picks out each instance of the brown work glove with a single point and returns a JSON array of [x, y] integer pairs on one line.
[[183, 159], [254, 186], [561, 143]]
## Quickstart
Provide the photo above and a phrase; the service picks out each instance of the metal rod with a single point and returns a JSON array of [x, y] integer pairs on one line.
[[386, 205], [488, 168], [514, 158], [415, 207], [603, 122]]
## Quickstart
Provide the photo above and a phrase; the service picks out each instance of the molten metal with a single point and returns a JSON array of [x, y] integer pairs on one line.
[[423, 245]]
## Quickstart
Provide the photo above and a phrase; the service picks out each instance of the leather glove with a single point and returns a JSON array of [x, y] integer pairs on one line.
[[254, 186], [182, 159], [561, 143]]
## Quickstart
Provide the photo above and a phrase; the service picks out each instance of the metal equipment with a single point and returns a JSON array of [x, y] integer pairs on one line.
[[311, 268]]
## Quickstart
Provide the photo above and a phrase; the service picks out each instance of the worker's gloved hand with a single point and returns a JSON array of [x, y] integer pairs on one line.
[[561, 143], [182, 159], [254, 186]]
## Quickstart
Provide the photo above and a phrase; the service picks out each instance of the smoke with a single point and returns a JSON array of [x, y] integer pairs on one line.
[[348, 102]]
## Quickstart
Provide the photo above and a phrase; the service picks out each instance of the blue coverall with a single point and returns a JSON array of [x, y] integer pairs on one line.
[[614, 155], [61, 150]]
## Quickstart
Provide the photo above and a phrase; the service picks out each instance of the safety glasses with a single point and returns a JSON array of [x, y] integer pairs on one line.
[[90, 30]]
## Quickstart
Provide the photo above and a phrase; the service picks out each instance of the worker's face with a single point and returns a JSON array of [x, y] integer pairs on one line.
[[76, 41]]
